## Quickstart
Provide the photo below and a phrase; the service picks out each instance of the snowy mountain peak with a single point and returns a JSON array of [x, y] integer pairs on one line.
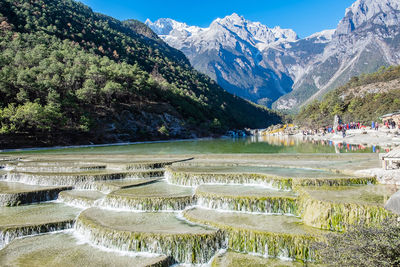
[[323, 36], [166, 26], [378, 12], [234, 19]]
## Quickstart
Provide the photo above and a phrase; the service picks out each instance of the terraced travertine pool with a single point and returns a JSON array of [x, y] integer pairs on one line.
[[149, 210]]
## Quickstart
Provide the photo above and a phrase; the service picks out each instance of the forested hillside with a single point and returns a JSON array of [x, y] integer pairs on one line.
[[69, 75], [364, 99]]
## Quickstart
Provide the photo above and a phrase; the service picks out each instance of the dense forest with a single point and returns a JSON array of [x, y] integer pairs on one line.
[[353, 103], [69, 75]]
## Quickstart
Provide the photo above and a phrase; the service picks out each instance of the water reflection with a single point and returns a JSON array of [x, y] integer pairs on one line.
[[339, 147], [253, 144]]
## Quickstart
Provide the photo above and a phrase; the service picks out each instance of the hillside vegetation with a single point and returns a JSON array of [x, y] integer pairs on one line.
[[69, 75], [362, 99]]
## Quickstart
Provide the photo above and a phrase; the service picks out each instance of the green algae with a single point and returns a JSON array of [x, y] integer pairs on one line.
[[334, 208], [15, 194], [269, 235], [156, 196], [63, 250], [159, 233], [246, 199]]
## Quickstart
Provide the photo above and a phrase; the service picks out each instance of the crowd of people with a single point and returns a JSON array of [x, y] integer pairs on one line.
[[343, 127]]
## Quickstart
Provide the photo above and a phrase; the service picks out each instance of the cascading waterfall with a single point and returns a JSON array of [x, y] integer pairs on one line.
[[184, 248], [146, 204], [20, 198], [10, 233], [195, 179], [79, 181], [273, 205]]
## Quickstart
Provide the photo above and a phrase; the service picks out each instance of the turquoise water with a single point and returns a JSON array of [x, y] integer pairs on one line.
[[250, 145]]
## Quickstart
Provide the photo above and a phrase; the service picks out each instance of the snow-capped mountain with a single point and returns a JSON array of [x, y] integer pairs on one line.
[[366, 38], [229, 50], [266, 64]]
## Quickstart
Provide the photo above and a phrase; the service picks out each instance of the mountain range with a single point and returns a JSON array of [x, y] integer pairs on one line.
[[274, 67]]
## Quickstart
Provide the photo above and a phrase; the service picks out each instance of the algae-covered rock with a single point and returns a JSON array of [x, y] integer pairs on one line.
[[160, 233], [81, 198], [267, 235], [64, 250], [192, 177], [234, 259], [34, 219], [246, 199], [333, 208], [83, 180], [157, 196], [14, 194]]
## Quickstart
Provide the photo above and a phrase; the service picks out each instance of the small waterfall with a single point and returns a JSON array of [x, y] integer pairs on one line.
[[16, 199], [80, 202], [146, 204], [270, 205], [10, 233], [276, 245], [60, 169], [79, 181], [183, 248], [195, 179]]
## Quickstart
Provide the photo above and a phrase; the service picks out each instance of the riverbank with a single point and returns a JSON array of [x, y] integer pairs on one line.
[[385, 138]]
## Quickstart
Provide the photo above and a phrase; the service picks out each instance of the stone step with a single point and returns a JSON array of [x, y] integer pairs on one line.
[[35, 219], [64, 250], [246, 199], [334, 207], [266, 235], [81, 198], [157, 196], [273, 177], [234, 259], [161, 233], [15, 194], [81, 180]]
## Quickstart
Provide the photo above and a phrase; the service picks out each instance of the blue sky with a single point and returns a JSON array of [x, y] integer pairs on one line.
[[304, 16]]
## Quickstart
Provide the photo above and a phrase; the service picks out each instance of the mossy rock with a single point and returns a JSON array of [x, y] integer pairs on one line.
[[334, 208], [160, 233], [246, 199], [65, 250], [81, 180], [234, 259], [35, 219], [157, 196], [81, 198], [15, 194], [191, 178], [269, 235]]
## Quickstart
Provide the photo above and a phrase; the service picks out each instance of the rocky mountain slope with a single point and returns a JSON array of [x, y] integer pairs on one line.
[[269, 65]]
